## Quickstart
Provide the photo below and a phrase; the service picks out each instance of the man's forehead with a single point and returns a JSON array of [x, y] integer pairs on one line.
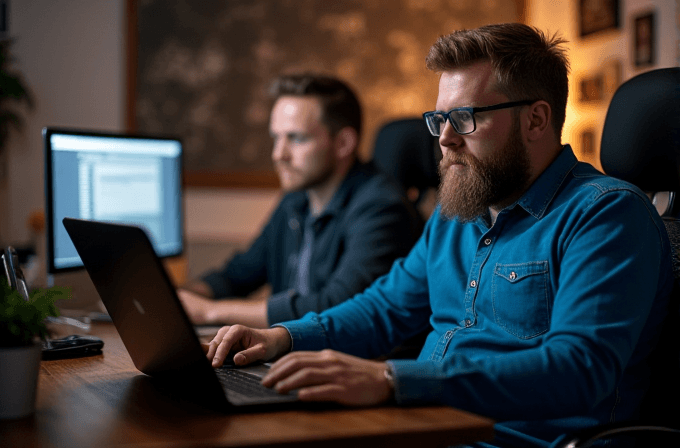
[[295, 114], [471, 85], [294, 106]]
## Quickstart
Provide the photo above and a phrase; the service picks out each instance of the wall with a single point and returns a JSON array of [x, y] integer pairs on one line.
[[592, 53], [72, 55]]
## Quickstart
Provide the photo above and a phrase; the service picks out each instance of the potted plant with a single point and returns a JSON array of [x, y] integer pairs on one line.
[[13, 90], [22, 325]]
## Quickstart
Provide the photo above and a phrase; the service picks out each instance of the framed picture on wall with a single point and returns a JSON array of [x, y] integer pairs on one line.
[[611, 74], [587, 142], [644, 40], [202, 70], [591, 88], [598, 15]]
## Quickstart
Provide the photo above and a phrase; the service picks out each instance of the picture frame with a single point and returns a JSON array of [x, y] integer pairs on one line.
[[591, 88], [612, 75], [644, 40], [598, 15], [190, 75], [600, 86], [587, 142]]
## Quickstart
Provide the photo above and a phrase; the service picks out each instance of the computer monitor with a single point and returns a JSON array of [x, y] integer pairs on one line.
[[111, 177]]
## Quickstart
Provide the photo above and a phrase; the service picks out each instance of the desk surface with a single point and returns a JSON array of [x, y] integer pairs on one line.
[[104, 401]]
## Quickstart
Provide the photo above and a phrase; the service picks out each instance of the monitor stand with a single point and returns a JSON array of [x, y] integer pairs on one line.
[[84, 296]]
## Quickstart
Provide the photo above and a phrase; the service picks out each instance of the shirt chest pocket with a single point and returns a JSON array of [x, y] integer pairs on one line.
[[521, 298]]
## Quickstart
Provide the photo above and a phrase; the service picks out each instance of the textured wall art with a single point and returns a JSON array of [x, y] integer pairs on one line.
[[202, 68]]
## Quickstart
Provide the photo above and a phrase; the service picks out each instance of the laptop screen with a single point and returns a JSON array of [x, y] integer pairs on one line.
[[115, 178]]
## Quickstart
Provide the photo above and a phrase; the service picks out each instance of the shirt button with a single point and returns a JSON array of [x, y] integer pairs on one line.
[[487, 241], [468, 322], [513, 275], [449, 334], [473, 284]]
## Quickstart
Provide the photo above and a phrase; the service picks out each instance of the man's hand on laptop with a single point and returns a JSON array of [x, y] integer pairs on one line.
[[248, 344], [331, 376]]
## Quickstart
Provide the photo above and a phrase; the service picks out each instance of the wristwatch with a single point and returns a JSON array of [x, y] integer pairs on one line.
[[389, 375]]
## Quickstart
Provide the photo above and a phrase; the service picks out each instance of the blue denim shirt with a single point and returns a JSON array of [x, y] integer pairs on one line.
[[541, 321]]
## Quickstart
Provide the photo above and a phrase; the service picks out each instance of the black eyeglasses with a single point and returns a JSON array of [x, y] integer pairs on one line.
[[14, 274], [463, 118]]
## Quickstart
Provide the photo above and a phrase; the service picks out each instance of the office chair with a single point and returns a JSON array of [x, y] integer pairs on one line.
[[407, 151], [641, 144]]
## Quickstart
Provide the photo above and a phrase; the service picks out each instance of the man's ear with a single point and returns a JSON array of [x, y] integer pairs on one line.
[[538, 120], [346, 142]]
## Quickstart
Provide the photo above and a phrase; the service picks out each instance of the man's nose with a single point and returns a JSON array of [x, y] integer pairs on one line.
[[280, 150], [449, 139]]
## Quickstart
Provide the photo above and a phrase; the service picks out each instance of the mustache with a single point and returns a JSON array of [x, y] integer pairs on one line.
[[456, 158]]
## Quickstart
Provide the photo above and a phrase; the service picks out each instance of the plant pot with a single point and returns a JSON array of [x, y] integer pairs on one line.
[[19, 368]]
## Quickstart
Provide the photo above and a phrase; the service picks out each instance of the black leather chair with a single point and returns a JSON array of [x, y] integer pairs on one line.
[[407, 151], [641, 144]]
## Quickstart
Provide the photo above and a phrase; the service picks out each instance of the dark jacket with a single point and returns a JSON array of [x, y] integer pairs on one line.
[[364, 228]]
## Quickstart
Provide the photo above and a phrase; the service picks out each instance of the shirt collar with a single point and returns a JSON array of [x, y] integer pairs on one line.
[[337, 203], [544, 189]]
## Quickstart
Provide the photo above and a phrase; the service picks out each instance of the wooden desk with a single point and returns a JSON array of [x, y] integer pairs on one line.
[[103, 401]]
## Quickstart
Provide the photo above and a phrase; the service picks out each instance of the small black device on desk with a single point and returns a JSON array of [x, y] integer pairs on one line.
[[73, 346]]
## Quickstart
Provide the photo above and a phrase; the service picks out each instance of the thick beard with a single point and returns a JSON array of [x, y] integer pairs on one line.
[[483, 182]]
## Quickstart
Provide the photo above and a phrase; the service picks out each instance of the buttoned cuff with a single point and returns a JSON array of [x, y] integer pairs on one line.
[[306, 334], [280, 307], [417, 382], [218, 284]]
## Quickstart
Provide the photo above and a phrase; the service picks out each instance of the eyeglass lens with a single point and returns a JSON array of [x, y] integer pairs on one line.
[[462, 120]]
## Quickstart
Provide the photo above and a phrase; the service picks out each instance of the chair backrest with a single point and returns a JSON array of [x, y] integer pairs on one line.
[[641, 136], [641, 144], [662, 400], [407, 151]]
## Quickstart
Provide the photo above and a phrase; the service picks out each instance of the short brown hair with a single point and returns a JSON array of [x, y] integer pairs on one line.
[[527, 64], [340, 106]]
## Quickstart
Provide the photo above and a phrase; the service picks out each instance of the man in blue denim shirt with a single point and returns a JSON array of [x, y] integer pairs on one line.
[[544, 281]]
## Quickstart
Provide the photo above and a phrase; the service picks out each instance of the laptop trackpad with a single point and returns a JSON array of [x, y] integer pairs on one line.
[[259, 370]]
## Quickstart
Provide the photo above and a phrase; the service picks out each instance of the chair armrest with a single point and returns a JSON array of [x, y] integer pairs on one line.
[[638, 431]]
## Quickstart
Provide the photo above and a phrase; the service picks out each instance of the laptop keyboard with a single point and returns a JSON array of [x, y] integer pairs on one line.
[[247, 385]]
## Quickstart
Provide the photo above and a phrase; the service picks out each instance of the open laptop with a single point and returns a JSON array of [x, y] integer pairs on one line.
[[153, 325]]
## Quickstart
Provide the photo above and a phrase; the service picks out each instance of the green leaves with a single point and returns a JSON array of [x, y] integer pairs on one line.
[[13, 91], [21, 320]]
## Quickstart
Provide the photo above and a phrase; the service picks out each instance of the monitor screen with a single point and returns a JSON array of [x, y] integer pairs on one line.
[[116, 178]]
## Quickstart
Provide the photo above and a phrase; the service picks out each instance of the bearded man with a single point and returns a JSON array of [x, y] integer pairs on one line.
[[544, 280]]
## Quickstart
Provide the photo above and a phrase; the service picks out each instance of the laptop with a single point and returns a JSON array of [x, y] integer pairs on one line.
[[151, 322]]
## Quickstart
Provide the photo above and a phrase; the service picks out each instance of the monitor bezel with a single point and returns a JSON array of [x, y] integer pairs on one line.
[[49, 210]]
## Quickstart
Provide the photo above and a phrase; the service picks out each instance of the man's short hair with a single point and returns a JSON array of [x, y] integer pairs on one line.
[[527, 64], [340, 106]]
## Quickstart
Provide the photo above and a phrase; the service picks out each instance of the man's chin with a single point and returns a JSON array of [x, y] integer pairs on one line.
[[289, 187], [288, 183]]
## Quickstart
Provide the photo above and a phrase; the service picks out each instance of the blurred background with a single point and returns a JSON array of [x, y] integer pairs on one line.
[[200, 70]]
